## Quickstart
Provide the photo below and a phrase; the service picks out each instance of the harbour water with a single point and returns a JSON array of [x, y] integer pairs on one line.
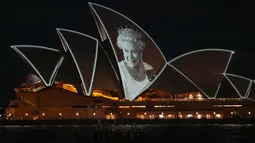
[[216, 133]]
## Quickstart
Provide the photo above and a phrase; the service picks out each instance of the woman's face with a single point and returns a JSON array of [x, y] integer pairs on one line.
[[132, 53]]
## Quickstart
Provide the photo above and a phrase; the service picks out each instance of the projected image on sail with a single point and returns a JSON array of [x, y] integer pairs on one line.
[[135, 72], [139, 59]]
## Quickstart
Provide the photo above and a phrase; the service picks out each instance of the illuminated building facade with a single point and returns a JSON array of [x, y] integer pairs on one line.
[[62, 102], [90, 79]]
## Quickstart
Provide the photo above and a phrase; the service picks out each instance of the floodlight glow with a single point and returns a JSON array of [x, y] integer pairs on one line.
[[89, 90], [197, 51], [54, 72]]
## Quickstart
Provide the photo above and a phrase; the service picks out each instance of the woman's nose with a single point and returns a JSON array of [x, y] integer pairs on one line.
[[130, 54]]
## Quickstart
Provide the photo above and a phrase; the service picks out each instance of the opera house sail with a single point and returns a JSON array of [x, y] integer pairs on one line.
[[125, 75], [139, 59]]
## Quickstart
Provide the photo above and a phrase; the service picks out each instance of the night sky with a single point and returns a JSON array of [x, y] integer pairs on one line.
[[176, 26]]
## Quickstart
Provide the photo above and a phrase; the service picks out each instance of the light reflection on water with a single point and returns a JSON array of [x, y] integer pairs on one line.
[[126, 133], [232, 125], [128, 126]]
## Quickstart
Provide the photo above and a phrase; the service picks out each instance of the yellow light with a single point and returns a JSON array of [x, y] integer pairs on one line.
[[218, 115], [127, 113], [124, 106], [231, 112], [232, 105], [163, 106], [208, 116], [106, 106], [190, 96], [139, 106], [43, 114], [196, 112], [98, 94], [199, 95], [110, 113], [145, 113], [26, 114], [161, 116], [77, 114], [70, 87], [214, 113], [249, 113], [189, 115], [139, 99], [162, 113], [60, 114], [200, 98], [94, 114]]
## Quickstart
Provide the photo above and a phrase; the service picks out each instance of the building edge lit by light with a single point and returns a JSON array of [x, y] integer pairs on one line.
[[61, 102]]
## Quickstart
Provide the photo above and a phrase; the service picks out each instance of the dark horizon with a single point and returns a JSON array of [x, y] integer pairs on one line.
[[177, 28]]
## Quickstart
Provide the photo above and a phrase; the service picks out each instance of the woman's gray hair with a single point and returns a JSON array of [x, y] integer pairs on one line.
[[129, 35]]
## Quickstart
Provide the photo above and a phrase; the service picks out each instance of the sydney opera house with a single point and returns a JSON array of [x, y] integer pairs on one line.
[[125, 75]]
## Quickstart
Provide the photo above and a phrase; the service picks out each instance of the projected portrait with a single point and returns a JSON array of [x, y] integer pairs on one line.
[[135, 57], [135, 72]]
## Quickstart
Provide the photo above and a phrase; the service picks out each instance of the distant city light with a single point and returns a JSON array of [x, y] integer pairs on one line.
[[218, 115], [189, 115], [199, 96]]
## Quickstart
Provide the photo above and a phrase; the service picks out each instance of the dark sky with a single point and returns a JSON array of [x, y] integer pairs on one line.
[[176, 26]]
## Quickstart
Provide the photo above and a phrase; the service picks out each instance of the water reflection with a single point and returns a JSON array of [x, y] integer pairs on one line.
[[128, 133]]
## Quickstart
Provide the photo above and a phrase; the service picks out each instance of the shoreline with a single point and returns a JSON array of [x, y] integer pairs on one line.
[[127, 122]]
